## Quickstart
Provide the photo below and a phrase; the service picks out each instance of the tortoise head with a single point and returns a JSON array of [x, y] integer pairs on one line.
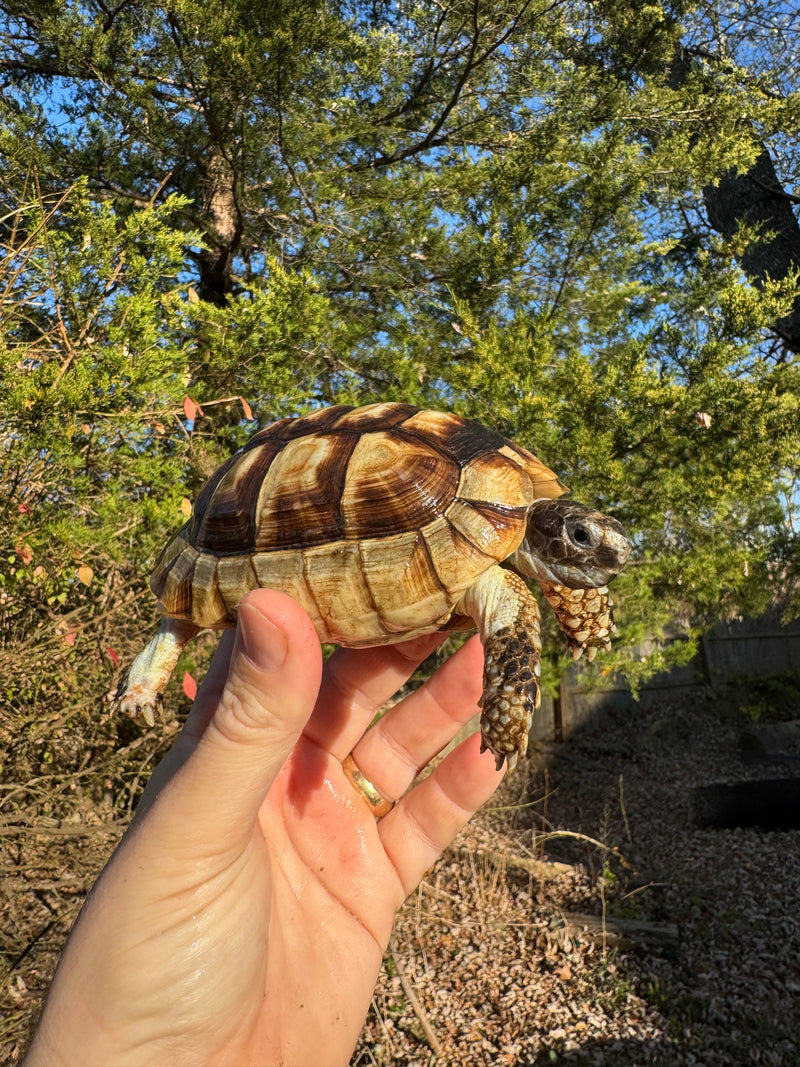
[[571, 544]]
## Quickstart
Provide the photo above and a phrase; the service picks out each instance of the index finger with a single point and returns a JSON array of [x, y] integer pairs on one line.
[[356, 683]]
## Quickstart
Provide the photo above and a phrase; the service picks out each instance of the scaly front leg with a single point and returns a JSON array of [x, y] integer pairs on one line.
[[585, 617], [508, 621]]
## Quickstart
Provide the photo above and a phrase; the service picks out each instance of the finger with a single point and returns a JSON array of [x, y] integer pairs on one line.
[[200, 713], [426, 820], [409, 735], [356, 684], [212, 685], [270, 689]]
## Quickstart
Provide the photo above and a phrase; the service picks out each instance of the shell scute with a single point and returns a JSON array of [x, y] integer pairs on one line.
[[495, 477], [460, 438], [402, 581], [455, 557], [287, 429], [394, 485], [208, 607], [224, 516], [374, 417], [235, 576], [299, 500], [172, 578], [285, 572], [493, 530], [335, 581], [545, 482]]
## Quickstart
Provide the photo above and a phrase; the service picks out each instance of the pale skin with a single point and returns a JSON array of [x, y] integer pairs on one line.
[[243, 917]]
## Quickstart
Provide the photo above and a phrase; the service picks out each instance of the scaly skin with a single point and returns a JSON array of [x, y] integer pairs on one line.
[[585, 617], [141, 688], [508, 621], [512, 667]]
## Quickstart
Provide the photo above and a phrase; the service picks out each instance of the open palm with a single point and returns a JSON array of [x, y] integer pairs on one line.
[[244, 915]]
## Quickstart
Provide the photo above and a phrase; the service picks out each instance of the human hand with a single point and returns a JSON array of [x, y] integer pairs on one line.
[[243, 917]]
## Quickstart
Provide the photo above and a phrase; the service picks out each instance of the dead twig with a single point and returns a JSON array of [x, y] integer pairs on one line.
[[430, 1034]]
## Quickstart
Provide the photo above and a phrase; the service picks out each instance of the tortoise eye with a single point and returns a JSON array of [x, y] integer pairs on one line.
[[581, 535]]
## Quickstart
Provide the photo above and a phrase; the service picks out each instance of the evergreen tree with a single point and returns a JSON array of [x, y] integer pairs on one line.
[[508, 209]]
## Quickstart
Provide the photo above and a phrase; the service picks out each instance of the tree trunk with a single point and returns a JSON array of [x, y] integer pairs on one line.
[[756, 198], [223, 225]]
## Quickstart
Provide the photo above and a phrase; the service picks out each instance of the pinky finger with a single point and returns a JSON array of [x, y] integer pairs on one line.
[[430, 815]]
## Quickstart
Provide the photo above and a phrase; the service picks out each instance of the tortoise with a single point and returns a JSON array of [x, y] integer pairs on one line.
[[386, 522]]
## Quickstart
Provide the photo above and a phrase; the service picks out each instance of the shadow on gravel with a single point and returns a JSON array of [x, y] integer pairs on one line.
[[610, 1053], [633, 787]]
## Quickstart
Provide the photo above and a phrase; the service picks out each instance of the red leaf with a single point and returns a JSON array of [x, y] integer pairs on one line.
[[113, 656], [70, 638], [248, 414], [189, 686], [24, 509], [189, 408]]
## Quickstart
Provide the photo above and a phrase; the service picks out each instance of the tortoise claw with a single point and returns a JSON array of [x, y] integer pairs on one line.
[[136, 701]]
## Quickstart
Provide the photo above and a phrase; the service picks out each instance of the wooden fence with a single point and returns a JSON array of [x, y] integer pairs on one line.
[[757, 648]]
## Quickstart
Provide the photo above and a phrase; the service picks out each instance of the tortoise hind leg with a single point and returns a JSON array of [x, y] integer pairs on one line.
[[140, 690], [508, 621]]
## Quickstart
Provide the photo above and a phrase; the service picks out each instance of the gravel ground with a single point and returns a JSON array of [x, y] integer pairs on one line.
[[634, 939]]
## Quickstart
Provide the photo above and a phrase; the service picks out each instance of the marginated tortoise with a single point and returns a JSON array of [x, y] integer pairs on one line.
[[386, 522]]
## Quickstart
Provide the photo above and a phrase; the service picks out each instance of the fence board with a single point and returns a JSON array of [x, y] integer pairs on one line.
[[754, 647]]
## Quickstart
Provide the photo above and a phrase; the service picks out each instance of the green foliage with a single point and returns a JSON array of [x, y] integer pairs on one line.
[[775, 698], [497, 208]]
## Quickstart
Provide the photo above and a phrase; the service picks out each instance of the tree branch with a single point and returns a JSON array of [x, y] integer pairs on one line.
[[474, 60]]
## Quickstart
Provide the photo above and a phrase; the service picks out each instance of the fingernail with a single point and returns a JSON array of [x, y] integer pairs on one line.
[[264, 644]]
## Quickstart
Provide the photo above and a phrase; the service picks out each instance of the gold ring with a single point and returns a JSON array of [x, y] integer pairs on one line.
[[376, 801]]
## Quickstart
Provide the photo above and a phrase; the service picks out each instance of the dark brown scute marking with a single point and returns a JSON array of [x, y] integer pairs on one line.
[[395, 484], [224, 520], [302, 507], [226, 523], [455, 557], [207, 492], [506, 524], [457, 437], [315, 422], [287, 429], [459, 622], [345, 472], [173, 584], [402, 582], [497, 479], [275, 431], [375, 417], [166, 556]]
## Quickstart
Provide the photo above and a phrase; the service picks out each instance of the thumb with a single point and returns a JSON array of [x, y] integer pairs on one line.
[[270, 692]]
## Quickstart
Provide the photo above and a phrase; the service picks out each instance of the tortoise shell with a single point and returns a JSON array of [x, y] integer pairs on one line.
[[375, 519]]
